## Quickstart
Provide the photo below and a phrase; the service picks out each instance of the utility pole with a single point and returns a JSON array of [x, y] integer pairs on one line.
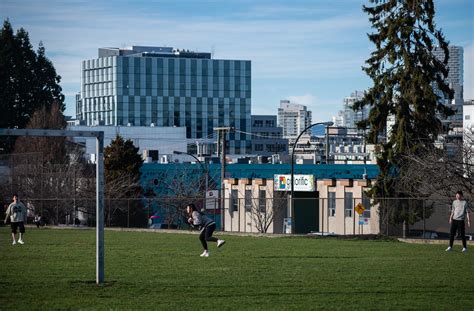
[[327, 144], [222, 131]]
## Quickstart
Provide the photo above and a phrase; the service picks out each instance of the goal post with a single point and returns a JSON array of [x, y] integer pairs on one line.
[[99, 135]]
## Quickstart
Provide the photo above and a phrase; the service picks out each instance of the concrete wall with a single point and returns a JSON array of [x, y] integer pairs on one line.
[[244, 221], [339, 223]]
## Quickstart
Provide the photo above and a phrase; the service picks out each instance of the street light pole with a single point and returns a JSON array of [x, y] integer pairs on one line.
[[293, 169]]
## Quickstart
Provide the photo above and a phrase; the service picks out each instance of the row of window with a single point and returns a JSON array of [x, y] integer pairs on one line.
[[270, 147], [260, 203], [348, 204], [260, 123], [184, 86], [250, 205], [182, 65], [182, 93]]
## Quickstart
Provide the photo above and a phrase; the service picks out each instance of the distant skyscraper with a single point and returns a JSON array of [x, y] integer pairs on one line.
[[456, 70], [293, 118], [347, 117], [166, 87]]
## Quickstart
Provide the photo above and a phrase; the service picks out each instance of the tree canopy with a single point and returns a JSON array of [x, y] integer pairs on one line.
[[404, 71], [28, 81], [122, 165]]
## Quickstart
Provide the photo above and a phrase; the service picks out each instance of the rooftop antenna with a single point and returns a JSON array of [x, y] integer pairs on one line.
[[212, 52]]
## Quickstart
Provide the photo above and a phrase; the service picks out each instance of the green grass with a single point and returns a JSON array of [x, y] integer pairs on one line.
[[55, 269]]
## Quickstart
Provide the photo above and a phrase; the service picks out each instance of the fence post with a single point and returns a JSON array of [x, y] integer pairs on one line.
[[424, 219], [238, 209], [353, 217], [57, 212], [322, 216], [128, 213], [108, 220]]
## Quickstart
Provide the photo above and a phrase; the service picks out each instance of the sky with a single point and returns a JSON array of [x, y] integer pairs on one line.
[[310, 52]]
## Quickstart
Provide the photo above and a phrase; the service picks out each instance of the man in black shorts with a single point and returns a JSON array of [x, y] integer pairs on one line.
[[17, 213]]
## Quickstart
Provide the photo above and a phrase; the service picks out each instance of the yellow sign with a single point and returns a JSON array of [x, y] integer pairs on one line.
[[359, 208]]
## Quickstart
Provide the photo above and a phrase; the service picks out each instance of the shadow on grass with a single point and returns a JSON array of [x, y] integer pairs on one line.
[[306, 257], [88, 283]]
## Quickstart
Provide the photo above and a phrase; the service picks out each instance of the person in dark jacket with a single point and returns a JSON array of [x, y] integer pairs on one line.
[[206, 225]]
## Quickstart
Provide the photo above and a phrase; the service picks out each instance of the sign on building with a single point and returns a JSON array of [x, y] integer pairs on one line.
[[302, 183], [212, 197]]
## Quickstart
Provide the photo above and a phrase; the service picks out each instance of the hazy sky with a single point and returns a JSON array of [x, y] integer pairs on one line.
[[307, 51]]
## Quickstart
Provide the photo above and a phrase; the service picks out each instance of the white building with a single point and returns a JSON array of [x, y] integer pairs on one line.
[[152, 142], [468, 123], [293, 118], [347, 117]]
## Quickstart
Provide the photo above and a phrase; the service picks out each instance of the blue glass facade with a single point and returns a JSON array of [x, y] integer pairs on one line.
[[198, 93]]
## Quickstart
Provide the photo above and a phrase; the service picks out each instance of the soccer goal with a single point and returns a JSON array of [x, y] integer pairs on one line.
[[99, 135]]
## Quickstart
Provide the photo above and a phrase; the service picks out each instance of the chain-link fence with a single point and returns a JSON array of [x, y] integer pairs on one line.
[[415, 218], [65, 195]]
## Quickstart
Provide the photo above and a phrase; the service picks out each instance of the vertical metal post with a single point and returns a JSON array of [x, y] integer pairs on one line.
[[327, 145], [424, 219], [128, 213], [100, 210], [74, 198], [353, 217], [322, 216], [222, 179], [292, 208], [293, 174]]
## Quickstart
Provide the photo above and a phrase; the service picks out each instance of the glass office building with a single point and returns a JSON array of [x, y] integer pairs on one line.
[[161, 86]]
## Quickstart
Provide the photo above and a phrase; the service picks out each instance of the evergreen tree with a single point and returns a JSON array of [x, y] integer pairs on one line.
[[28, 81], [122, 181], [404, 71], [121, 159]]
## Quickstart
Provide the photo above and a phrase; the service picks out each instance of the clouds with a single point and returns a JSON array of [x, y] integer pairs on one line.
[[313, 48]]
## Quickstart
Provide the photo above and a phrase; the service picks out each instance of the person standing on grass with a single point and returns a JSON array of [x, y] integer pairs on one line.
[[17, 213], [205, 225], [459, 213]]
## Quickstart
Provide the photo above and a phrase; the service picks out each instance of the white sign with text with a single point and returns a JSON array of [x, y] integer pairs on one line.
[[302, 183]]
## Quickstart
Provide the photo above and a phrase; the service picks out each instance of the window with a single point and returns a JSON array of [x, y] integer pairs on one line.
[[366, 203], [234, 201], [262, 201], [332, 204], [467, 117], [248, 200], [348, 204]]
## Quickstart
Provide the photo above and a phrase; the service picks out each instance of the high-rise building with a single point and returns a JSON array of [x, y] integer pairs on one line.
[[293, 118], [456, 73], [349, 118], [267, 137], [167, 87]]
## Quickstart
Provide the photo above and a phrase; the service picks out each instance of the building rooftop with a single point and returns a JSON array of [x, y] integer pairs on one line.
[[151, 51]]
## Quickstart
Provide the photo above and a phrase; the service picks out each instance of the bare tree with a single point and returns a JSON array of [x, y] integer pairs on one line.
[[177, 186], [440, 172], [265, 210]]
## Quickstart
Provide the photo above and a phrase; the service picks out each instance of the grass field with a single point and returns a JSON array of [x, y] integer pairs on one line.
[[55, 269]]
